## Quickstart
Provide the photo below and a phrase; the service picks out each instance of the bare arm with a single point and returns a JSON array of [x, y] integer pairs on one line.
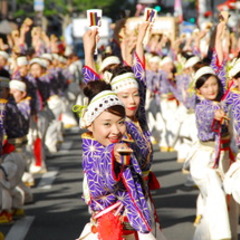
[[142, 29], [89, 43]]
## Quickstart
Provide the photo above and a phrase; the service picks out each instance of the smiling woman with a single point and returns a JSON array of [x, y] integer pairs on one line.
[[113, 187]]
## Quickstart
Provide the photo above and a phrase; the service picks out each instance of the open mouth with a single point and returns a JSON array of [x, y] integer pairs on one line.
[[114, 139]]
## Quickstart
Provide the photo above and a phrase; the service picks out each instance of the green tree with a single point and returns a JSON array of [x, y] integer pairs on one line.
[[63, 7]]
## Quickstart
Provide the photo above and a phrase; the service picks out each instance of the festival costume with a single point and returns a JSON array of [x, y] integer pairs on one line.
[[156, 122], [137, 131], [207, 165], [187, 131], [111, 188], [107, 187], [12, 165]]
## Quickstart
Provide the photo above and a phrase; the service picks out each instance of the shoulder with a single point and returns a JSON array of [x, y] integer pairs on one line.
[[4, 101]]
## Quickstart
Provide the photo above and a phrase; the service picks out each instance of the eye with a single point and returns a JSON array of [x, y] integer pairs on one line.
[[106, 124], [121, 122], [136, 94], [124, 96]]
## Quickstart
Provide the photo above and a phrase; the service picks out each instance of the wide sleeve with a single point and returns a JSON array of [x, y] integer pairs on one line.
[[204, 119], [100, 169], [220, 69], [89, 75]]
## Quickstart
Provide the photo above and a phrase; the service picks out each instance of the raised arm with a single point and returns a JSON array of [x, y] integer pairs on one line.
[[218, 41], [142, 29], [89, 43]]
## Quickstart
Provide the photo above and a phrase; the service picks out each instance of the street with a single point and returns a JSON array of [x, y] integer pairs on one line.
[[58, 213]]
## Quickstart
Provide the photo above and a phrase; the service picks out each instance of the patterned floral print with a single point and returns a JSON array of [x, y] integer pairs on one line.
[[233, 101], [25, 110], [14, 121], [205, 116], [205, 108], [109, 182], [144, 135], [2, 119]]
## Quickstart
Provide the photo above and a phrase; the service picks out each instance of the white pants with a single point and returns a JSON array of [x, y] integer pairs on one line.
[[215, 224], [168, 109], [14, 166]]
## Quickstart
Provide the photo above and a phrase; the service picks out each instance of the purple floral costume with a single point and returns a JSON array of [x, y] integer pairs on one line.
[[233, 101], [141, 136], [25, 110], [2, 118], [208, 128], [109, 182]]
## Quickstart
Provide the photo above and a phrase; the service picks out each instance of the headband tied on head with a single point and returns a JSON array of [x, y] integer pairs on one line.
[[191, 62], [123, 82], [97, 105], [201, 72], [109, 61], [17, 84]]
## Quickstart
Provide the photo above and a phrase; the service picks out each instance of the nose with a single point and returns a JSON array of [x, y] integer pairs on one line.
[[115, 129], [132, 100]]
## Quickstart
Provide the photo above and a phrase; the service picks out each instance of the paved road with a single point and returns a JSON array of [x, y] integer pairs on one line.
[[58, 212]]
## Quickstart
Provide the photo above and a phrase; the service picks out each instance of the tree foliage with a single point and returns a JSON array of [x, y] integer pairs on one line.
[[63, 7]]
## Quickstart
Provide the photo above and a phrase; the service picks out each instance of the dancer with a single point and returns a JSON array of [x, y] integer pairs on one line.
[[113, 187]]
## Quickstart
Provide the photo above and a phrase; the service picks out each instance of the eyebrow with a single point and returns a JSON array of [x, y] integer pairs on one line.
[[109, 120]]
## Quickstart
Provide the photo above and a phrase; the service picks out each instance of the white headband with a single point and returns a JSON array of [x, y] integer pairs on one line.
[[235, 69], [22, 61], [55, 56], [123, 82], [47, 56], [98, 104], [19, 85], [4, 82], [203, 71], [62, 59], [109, 61], [155, 59], [42, 62], [191, 62], [165, 60], [4, 55]]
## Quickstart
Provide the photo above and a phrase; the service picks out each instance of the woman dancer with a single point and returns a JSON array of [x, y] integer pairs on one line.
[[113, 186], [213, 157], [130, 87]]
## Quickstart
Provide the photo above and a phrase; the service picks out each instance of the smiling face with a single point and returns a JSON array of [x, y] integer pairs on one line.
[[131, 101], [209, 90], [36, 70], [108, 128]]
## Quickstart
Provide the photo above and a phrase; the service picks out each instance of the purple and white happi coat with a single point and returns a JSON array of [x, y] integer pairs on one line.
[[140, 137], [109, 182], [233, 101], [205, 108], [25, 110], [13, 121], [2, 119]]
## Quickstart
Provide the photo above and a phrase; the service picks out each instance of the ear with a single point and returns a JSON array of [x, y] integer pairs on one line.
[[198, 91], [90, 128], [24, 94]]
